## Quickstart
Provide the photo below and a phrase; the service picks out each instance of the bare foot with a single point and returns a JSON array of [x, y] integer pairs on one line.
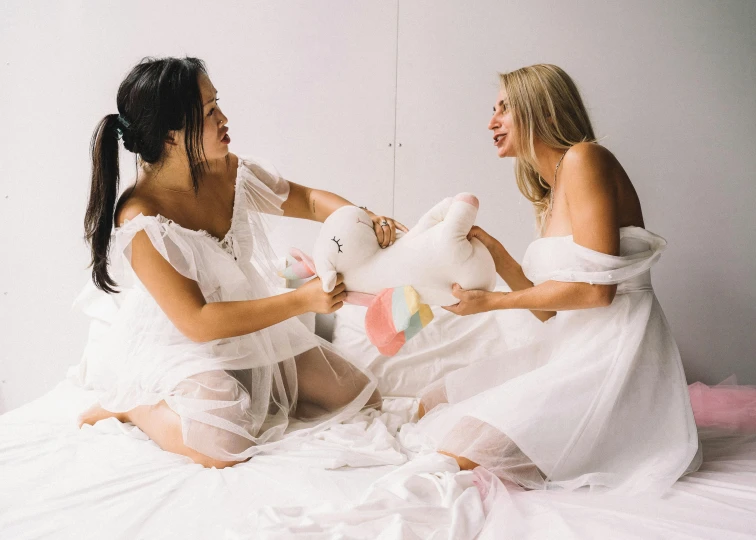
[[96, 413], [420, 410], [464, 463]]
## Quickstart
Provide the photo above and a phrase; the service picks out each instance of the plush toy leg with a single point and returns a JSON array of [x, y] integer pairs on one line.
[[459, 220], [394, 317]]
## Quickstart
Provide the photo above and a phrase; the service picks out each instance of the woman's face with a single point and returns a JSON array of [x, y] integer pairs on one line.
[[215, 137], [502, 126]]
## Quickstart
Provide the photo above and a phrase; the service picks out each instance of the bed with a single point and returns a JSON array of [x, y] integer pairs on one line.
[[357, 480]]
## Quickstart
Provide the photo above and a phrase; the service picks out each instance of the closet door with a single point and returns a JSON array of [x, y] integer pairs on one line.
[[312, 89]]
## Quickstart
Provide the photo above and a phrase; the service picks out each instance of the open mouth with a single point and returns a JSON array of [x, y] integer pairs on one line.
[[226, 139], [498, 138]]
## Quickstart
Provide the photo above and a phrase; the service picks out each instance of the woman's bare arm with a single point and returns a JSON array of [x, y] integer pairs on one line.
[[316, 205], [182, 301], [313, 204], [592, 205], [508, 268]]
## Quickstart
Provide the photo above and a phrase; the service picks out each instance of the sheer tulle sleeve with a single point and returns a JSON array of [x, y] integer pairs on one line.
[[170, 243], [264, 189], [570, 262]]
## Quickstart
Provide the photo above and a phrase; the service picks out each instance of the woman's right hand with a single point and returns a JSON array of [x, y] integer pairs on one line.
[[495, 248], [316, 300]]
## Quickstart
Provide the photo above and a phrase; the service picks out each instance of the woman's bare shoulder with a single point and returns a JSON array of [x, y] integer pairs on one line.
[[589, 154], [132, 203]]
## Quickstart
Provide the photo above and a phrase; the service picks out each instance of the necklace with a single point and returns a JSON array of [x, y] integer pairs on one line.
[[553, 188], [175, 190]]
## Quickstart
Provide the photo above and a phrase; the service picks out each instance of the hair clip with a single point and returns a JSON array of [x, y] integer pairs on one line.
[[122, 125]]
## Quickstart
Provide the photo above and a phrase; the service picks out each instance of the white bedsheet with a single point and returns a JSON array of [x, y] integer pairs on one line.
[[353, 481]]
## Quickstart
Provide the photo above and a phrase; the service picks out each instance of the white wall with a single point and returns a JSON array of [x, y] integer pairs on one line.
[[309, 86], [670, 87], [312, 87]]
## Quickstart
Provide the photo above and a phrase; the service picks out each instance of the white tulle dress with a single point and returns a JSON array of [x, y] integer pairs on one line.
[[598, 396], [238, 396]]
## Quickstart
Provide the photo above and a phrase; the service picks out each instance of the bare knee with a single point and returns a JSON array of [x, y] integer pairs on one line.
[[375, 401], [209, 462]]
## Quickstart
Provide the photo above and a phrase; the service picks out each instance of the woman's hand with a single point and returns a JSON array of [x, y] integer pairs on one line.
[[495, 248], [385, 228], [472, 301], [314, 299]]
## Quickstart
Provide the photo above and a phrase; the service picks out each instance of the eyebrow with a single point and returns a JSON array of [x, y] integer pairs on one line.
[[501, 104], [216, 96]]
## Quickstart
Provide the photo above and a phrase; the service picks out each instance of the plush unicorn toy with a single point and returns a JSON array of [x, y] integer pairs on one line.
[[397, 283]]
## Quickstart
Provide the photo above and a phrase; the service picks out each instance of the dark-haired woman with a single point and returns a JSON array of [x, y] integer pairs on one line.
[[203, 355]]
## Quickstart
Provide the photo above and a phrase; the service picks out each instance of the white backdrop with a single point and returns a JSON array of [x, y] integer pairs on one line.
[[387, 104]]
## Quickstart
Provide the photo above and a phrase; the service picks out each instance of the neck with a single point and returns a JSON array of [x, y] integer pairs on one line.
[[548, 158], [173, 173]]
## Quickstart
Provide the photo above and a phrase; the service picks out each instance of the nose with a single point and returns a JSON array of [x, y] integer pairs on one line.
[[223, 119], [494, 123]]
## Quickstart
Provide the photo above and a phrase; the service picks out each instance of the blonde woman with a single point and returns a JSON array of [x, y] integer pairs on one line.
[[598, 397]]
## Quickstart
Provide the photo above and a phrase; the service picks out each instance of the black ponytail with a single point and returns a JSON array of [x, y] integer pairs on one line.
[[98, 221], [158, 95]]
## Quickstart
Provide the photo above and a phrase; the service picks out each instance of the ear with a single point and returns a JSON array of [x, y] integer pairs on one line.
[[325, 268], [299, 266], [172, 138], [328, 279], [304, 259]]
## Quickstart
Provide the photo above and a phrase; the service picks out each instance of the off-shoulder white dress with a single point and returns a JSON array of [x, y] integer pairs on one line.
[[238, 396], [598, 397]]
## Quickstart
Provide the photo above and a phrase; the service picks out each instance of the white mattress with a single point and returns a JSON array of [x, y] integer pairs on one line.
[[354, 481]]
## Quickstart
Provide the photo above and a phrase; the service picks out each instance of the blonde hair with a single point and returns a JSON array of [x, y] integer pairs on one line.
[[545, 104]]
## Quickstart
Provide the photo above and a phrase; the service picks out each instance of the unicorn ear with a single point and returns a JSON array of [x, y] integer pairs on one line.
[[325, 268], [328, 279]]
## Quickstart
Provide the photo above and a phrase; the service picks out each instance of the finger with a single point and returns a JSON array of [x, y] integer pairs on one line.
[[386, 231], [401, 227], [453, 308], [337, 307], [339, 298], [378, 232], [338, 289], [457, 291], [339, 279], [392, 226]]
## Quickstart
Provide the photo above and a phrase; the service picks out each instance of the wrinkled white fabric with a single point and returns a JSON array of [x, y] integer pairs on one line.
[[234, 395], [449, 343], [598, 399], [110, 481]]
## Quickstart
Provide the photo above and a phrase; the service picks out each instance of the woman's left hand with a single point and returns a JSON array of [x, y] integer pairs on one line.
[[385, 229], [471, 301]]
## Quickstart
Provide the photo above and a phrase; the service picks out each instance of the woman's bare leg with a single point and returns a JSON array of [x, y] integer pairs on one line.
[[161, 424], [464, 463], [330, 382]]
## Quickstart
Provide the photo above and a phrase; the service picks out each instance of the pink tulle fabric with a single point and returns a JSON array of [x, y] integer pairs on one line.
[[726, 406]]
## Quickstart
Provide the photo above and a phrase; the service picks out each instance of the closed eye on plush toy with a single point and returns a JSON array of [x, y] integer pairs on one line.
[[337, 244]]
